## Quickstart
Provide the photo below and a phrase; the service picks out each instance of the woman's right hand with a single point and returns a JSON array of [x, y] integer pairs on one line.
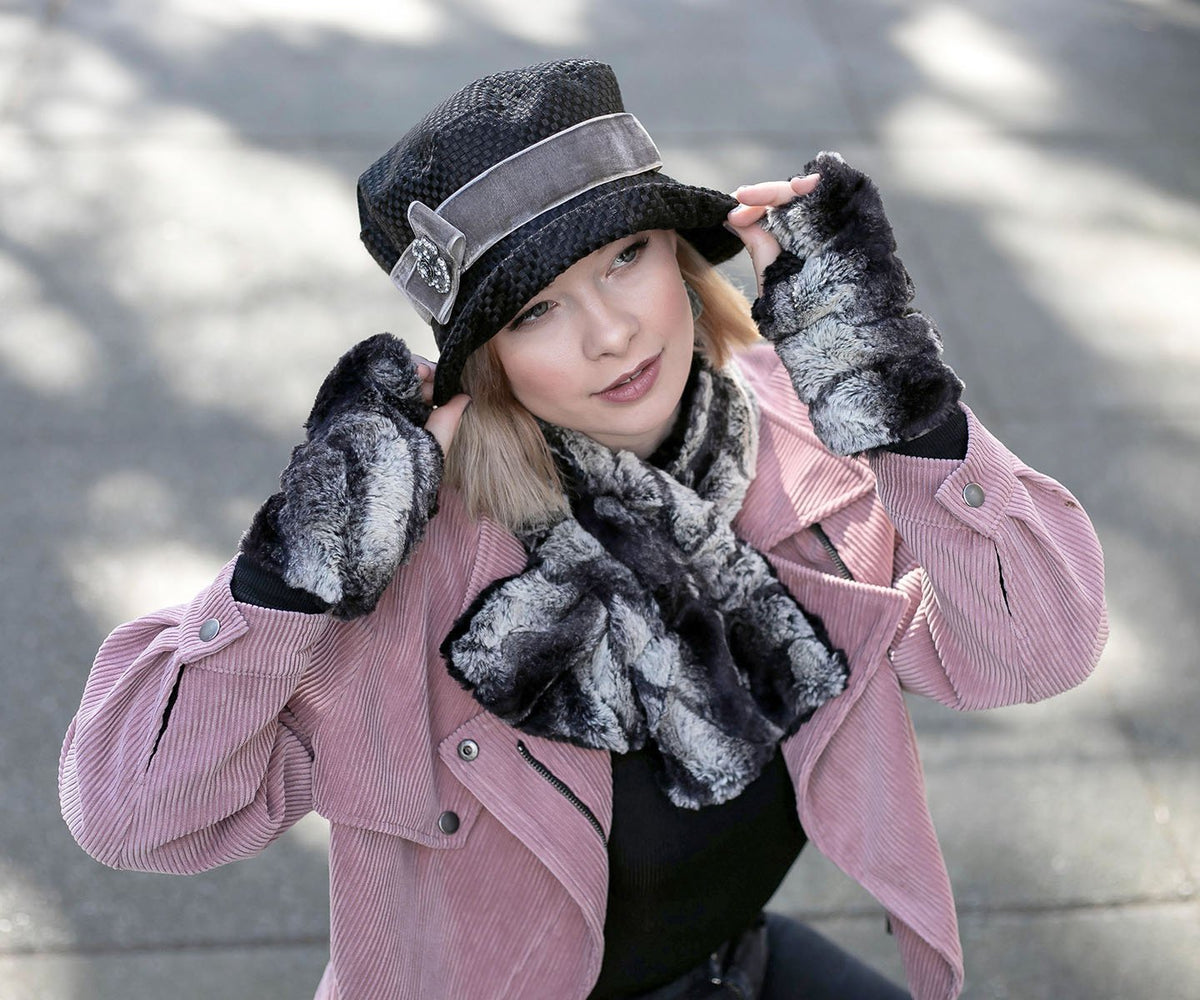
[[355, 499], [443, 421]]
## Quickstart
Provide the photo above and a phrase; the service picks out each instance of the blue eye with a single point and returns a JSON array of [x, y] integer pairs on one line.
[[533, 312], [631, 252]]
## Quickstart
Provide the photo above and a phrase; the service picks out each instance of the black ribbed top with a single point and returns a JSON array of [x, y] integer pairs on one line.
[[683, 881]]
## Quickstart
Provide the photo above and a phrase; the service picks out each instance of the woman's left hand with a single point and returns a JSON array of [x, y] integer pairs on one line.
[[443, 421], [755, 199]]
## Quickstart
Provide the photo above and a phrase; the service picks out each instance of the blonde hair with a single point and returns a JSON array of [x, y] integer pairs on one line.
[[499, 460]]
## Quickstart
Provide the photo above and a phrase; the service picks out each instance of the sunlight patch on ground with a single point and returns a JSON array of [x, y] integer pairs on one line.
[[119, 583], [413, 22], [41, 344], [965, 56], [1113, 256], [27, 913], [542, 22]]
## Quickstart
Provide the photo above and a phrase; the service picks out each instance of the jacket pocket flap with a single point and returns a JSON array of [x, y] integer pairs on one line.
[[427, 805]]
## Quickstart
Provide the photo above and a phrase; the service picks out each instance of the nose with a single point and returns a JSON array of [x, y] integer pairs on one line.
[[609, 327]]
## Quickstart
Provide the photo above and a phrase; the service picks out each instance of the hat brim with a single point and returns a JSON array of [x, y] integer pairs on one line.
[[521, 265]]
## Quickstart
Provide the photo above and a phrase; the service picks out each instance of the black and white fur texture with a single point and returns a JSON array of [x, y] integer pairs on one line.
[[836, 306], [644, 619], [358, 493]]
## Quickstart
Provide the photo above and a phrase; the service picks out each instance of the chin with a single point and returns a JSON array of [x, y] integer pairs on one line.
[[654, 422]]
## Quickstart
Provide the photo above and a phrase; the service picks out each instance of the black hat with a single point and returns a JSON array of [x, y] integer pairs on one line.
[[545, 167]]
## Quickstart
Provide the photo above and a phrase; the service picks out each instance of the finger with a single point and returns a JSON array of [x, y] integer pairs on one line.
[[747, 215], [425, 372], [764, 193], [444, 420], [805, 185], [776, 192], [763, 248]]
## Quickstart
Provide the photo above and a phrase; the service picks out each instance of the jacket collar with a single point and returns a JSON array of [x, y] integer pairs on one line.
[[798, 481]]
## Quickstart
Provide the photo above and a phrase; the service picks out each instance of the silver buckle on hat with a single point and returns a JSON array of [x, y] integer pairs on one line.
[[431, 265], [428, 271], [508, 195]]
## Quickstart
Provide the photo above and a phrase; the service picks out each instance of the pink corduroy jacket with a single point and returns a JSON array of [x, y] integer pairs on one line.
[[279, 713]]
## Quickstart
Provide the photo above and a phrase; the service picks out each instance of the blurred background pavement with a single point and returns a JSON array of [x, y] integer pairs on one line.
[[179, 267]]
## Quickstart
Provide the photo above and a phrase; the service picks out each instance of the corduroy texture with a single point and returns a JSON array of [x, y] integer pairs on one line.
[[357, 494], [485, 122], [836, 305], [511, 905]]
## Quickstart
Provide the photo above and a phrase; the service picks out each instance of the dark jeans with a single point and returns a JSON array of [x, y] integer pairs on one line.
[[800, 965], [806, 966]]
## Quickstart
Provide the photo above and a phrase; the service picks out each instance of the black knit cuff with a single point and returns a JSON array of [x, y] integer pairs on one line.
[[254, 584], [947, 440]]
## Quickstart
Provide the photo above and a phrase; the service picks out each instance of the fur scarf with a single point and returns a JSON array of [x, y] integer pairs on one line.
[[643, 620]]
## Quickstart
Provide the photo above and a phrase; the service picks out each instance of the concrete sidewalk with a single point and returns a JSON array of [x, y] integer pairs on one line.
[[179, 267]]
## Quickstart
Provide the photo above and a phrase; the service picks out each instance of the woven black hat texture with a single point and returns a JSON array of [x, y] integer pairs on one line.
[[485, 122]]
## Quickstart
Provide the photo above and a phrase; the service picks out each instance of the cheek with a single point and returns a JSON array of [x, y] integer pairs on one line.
[[674, 308], [537, 375]]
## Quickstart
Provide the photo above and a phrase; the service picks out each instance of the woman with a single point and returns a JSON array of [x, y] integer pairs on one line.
[[573, 703]]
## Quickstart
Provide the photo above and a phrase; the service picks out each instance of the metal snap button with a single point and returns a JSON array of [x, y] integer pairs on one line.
[[448, 822], [468, 749], [209, 630], [973, 495]]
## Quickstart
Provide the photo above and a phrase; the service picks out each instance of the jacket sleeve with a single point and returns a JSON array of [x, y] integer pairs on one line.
[[1004, 574], [190, 748]]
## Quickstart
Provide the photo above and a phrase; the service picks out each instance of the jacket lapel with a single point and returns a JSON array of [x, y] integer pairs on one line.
[[517, 787], [536, 793], [797, 481]]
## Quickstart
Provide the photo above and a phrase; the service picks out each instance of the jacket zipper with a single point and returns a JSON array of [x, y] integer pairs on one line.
[[827, 544], [563, 788]]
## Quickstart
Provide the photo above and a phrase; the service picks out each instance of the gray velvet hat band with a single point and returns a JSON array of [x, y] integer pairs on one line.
[[509, 194]]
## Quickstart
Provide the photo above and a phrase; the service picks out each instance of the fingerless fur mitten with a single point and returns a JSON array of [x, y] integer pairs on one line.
[[836, 306], [358, 493]]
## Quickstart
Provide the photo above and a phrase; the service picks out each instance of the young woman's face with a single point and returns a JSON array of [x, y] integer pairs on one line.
[[606, 347]]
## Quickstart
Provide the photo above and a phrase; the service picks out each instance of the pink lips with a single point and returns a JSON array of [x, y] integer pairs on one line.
[[627, 389]]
